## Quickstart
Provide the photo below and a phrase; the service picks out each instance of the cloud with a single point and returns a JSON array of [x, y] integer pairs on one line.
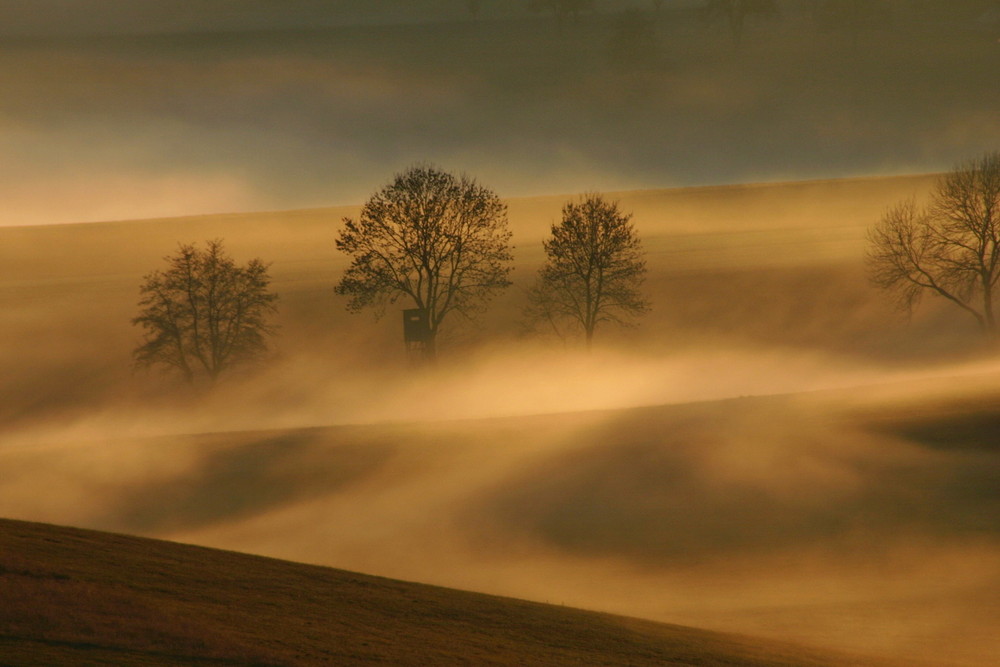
[[323, 117]]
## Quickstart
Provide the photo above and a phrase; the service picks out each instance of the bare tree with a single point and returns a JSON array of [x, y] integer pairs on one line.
[[440, 241], [593, 272], [950, 248], [736, 12], [204, 315]]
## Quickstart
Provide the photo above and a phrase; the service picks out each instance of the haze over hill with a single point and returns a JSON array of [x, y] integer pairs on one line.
[[842, 521], [722, 263], [772, 450], [860, 520]]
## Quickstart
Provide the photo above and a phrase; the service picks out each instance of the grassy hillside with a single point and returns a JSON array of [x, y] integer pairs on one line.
[[860, 519], [689, 470], [840, 520], [86, 598]]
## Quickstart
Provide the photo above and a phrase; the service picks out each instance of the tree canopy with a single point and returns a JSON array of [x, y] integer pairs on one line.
[[438, 240], [203, 314], [949, 248], [593, 272]]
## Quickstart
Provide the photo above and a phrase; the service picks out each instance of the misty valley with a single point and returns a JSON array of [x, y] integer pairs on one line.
[[677, 311]]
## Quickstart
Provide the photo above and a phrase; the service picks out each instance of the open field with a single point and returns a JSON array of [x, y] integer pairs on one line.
[[722, 265], [772, 452], [837, 520], [86, 598]]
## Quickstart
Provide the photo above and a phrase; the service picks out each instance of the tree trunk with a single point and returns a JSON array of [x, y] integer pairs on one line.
[[430, 347], [989, 320]]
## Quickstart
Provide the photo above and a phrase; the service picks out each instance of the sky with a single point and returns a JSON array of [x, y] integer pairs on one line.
[[120, 110]]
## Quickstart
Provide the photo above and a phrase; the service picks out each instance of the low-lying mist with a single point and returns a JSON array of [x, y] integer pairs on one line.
[[836, 516], [772, 450]]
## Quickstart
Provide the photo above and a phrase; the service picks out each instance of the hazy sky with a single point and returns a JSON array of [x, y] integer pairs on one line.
[[117, 109]]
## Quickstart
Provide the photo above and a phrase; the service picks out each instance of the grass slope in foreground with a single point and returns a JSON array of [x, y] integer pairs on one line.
[[81, 597]]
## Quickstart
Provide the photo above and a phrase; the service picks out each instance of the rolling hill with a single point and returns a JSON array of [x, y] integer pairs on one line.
[[859, 520], [689, 471], [774, 265], [773, 452], [88, 598]]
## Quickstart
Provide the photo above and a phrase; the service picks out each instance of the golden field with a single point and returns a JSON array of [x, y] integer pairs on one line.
[[772, 451]]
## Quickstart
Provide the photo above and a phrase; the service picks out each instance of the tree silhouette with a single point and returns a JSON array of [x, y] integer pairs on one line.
[[950, 248], [440, 241], [204, 315], [593, 272]]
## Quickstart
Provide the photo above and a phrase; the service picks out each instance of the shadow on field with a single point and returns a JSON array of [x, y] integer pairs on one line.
[[973, 430], [762, 476], [260, 474]]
